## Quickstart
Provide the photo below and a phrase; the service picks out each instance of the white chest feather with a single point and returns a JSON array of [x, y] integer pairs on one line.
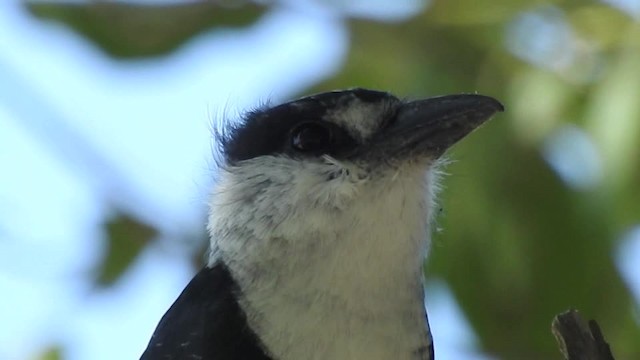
[[330, 274]]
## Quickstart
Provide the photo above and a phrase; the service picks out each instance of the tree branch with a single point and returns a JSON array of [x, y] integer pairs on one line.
[[577, 340]]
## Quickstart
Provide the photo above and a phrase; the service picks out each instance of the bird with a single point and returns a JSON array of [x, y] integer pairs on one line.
[[319, 226]]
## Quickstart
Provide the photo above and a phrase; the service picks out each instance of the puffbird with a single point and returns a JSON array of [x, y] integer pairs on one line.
[[319, 227]]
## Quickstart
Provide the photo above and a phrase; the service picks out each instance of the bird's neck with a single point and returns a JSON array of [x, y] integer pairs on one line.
[[337, 285], [341, 304], [326, 316]]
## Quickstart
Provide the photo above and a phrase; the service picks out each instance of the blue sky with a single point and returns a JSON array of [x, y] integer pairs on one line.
[[81, 133]]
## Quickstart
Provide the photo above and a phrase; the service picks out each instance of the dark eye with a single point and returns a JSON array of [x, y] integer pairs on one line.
[[311, 137]]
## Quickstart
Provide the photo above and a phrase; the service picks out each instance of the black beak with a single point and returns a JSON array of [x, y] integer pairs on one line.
[[429, 127]]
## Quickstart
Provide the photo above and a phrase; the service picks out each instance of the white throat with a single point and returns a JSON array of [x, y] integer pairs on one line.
[[328, 256]]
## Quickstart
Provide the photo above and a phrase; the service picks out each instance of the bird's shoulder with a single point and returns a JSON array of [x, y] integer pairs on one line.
[[205, 322]]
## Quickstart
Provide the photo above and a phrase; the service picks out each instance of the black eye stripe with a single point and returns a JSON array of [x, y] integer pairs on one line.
[[268, 130]]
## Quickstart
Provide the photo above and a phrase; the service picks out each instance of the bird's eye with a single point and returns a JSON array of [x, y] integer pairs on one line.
[[311, 137]]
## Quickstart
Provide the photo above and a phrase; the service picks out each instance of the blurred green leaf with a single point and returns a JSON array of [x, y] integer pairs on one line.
[[126, 30], [465, 12], [127, 237], [602, 25], [530, 242], [52, 353]]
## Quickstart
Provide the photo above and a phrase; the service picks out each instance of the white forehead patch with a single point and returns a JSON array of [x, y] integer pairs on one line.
[[359, 118]]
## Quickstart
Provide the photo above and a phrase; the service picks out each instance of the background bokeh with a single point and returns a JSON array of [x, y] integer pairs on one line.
[[106, 157]]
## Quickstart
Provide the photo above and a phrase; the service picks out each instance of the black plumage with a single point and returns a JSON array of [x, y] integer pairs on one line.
[[205, 322], [268, 130]]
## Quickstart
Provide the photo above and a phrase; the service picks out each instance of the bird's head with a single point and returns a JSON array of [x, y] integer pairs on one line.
[[323, 163]]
